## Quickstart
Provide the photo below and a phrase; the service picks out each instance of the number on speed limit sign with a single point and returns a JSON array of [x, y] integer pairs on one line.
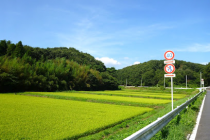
[[169, 55]]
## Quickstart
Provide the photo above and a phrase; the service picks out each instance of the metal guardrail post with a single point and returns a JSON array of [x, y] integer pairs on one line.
[[150, 130]]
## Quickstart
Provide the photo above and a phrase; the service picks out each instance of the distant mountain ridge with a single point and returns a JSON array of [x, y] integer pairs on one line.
[[152, 73]]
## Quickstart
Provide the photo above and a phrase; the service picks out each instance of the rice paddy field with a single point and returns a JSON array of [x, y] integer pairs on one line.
[[26, 117], [76, 114], [137, 94], [104, 97]]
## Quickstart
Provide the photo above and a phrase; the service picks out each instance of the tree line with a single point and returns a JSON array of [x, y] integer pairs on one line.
[[24, 68], [151, 73]]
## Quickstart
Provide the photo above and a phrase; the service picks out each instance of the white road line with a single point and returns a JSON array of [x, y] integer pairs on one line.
[[193, 135]]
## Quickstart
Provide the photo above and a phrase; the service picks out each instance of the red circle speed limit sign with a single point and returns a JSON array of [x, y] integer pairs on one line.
[[169, 55], [170, 68]]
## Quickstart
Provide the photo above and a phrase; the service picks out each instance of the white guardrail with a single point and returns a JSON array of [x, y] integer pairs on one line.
[[150, 130]]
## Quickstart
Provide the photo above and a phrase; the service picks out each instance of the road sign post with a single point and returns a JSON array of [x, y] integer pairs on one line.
[[172, 102], [202, 84], [169, 69]]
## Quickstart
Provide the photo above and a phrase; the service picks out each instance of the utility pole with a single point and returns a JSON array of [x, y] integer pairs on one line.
[[141, 81], [200, 80], [164, 82], [126, 82], [186, 81]]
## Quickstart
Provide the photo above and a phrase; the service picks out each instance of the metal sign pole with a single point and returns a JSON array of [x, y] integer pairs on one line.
[[172, 93], [186, 81]]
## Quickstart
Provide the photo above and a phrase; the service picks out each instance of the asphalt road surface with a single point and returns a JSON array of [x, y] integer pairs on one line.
[[203, 132]]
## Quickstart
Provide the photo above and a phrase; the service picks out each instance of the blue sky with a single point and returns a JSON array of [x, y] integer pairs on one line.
[[117, 32]]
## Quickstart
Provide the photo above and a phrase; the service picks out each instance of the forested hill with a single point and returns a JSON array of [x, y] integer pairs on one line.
[[18, 50], [152, 73], [37, 69]]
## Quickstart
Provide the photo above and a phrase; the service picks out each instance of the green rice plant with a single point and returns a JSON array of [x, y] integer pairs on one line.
[[137, 123], [137, 94], [105, 97], [27, 117], [158, 90]]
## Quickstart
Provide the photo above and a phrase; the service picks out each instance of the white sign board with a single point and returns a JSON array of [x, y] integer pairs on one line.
[[202, 81], [169, 75], [169, 62]]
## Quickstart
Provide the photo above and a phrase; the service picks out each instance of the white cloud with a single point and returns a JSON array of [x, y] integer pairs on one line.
[[109, 62], [135, 63], [195, 48], [126, 58], [204, 63]]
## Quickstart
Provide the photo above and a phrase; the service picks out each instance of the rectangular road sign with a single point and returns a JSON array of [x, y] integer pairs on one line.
[[202, 81], [169, 62], [169, 75]]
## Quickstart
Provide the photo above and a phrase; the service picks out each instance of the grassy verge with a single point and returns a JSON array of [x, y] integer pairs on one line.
[[129, 127], [181, 125]]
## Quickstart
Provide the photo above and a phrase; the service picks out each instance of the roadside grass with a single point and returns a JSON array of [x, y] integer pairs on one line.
[[136, 101], [181, 125], [26, 117], [131, 126]]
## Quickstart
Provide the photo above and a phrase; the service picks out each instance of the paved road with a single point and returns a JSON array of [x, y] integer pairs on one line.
[[203, 132]]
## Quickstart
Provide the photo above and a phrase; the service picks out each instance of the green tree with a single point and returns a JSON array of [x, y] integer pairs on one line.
[[19, 50], [207, 75], [3, 47], [10, 49], [111, 71], [110, 83]]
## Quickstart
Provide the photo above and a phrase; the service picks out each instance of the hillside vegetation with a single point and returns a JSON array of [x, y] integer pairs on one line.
[[152, 73], [24, 68]]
